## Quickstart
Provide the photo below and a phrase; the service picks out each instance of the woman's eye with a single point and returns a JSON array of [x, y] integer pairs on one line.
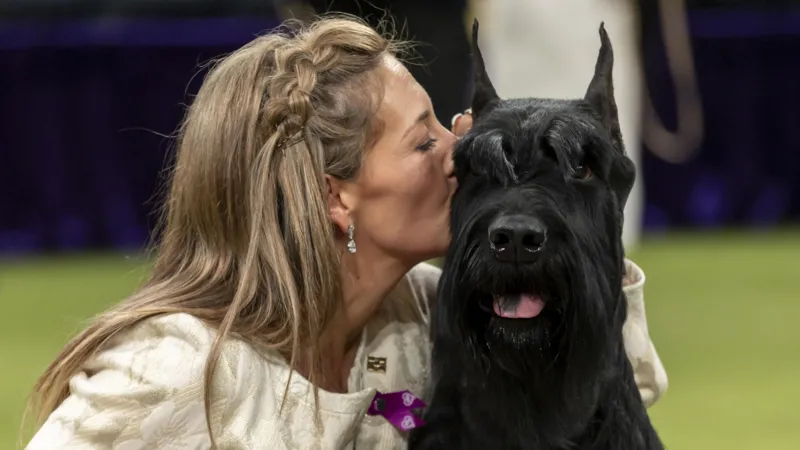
[[427, 145], [582, 173]]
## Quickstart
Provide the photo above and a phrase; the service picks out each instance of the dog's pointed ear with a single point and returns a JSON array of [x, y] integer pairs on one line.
[[484, 96], [600, 94]]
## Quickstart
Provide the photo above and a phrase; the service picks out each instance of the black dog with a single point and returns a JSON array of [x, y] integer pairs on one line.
[[527, 339]]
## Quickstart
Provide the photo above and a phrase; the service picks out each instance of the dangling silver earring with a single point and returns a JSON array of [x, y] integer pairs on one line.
[[351, 244]]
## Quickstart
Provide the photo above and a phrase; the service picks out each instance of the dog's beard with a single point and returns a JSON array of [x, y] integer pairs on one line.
[[559, 354]]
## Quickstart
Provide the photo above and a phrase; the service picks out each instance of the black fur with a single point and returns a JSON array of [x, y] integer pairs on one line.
[[560, 380]]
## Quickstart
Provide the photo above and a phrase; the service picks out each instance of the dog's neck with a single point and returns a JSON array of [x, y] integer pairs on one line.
[[562, 401], [566, 407], [561, 387]]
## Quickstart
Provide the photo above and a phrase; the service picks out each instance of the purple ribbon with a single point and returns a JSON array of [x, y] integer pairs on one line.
[[396, 408]]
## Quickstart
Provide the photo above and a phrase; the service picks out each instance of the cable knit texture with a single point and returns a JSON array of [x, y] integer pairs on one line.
[[145, 389]]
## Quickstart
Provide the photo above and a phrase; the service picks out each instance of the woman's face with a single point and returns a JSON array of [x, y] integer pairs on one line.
[[400, 202]]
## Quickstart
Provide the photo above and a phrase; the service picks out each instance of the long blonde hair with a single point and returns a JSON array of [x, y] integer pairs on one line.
[[247, 244]]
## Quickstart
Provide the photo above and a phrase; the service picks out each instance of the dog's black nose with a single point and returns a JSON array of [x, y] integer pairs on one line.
[[516, 238]]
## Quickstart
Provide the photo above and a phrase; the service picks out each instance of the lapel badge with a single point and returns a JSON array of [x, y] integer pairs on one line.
[[376, 364]]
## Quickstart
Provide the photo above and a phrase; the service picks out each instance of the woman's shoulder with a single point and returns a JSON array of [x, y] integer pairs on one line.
[[180, 329], [167, 351], [146, 387], [424, 276], [171, 351], [415, 292]]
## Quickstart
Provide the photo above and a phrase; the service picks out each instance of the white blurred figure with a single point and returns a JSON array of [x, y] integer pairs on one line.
[[548, 48]]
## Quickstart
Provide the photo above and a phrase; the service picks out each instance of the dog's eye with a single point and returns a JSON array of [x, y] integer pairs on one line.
[[582, 173]]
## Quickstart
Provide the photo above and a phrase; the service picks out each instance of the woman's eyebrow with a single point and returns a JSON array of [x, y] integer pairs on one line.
[[421, 118]]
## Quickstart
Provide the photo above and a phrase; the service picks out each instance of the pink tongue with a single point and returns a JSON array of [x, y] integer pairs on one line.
[[528, 306]]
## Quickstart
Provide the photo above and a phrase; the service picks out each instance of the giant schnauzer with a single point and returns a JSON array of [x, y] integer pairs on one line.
[[527, 339]]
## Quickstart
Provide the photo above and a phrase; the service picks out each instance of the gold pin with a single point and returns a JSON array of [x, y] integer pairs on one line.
[[376, 364]]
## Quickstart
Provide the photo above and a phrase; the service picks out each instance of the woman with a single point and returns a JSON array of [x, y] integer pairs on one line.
[[312, 179]]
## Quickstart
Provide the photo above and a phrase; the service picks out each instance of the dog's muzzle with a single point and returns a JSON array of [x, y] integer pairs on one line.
[[517, 238]]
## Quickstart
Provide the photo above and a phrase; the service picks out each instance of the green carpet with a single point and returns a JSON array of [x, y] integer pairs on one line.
[[722, 309]]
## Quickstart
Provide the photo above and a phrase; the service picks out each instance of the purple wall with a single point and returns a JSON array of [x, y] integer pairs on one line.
[[746, 171], [79, 168]]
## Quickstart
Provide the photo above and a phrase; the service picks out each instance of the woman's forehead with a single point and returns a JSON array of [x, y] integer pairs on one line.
[[404, 99]]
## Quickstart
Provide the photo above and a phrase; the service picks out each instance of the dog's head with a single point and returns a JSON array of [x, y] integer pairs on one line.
[[534, 271]]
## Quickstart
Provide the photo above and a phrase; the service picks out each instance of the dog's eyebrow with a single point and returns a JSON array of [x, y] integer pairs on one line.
[[421, 118]]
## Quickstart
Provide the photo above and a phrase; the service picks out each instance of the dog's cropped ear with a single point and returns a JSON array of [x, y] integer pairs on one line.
[[600, 94], [484, 96]]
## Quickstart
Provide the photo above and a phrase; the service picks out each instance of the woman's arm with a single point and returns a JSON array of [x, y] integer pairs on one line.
[[651, 378]]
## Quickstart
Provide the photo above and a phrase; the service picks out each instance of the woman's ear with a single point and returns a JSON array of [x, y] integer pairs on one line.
[[341, 202]]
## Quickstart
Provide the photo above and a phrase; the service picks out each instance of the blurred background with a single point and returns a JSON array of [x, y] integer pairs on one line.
[[708, 93]]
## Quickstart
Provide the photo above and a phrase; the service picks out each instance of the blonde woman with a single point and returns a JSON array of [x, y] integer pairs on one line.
[[312, 180]]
